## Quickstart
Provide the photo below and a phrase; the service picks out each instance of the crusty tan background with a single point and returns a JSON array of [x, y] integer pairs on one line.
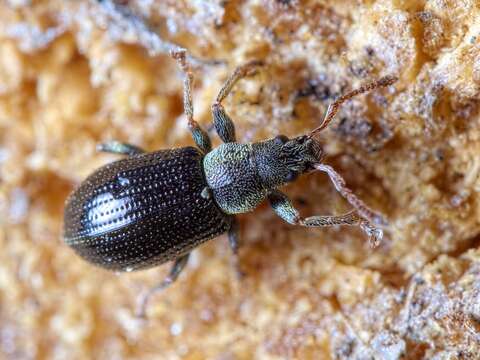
[[70, 79]]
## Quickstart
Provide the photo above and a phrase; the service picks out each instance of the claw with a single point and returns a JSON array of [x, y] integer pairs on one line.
[[374, 233], [144, 299]]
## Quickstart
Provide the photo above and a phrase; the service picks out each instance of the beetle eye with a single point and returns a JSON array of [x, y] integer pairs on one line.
[[281, 139], [292, 175]]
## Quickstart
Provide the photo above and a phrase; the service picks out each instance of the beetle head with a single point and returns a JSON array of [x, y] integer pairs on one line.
[[280, 160], [301, 153]]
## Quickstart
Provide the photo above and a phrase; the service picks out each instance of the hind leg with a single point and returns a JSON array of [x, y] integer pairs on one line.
[[234, 242], [200, 136], [176, 269]]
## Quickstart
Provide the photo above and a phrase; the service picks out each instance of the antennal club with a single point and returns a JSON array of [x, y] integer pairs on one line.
[[335, 106]]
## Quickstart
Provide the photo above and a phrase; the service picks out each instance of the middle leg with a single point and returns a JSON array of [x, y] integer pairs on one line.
[[223, 124], [116, 147], [359, 205], [285, 209]]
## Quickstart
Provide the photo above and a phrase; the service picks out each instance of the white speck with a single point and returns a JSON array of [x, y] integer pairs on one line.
[[19, 3], [195, 259], [176, 329], [123, 181], [172, 26], [18, 205], [37, 281], [456, 200], [4, 155], [7, 340], [109, 259], [459, 199], [131, 324], [129, 269]]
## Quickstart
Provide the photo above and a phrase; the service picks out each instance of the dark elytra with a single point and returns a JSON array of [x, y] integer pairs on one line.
[[143, 211]]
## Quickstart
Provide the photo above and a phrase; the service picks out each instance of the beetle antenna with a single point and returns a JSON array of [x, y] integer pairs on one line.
[[335, 106]]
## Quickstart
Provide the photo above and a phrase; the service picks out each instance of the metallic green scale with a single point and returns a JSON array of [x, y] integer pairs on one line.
[[235, 184], [241, 176]]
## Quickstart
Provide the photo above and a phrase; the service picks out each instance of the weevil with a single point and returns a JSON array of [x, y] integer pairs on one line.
[[155, 207]]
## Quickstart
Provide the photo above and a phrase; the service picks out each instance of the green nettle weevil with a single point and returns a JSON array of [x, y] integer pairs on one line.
[[150, 208]]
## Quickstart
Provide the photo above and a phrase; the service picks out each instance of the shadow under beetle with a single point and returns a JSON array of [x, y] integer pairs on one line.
[[155, 207]]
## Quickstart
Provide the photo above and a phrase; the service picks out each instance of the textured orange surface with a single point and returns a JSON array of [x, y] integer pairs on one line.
[[71, 76]]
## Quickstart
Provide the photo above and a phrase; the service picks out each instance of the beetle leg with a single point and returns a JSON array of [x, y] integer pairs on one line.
[[176, 269], [116, 147], [234, 241], [284, 208], [223, 124], [200, 136], [363, 210]]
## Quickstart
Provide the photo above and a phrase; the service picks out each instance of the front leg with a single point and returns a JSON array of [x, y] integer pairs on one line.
[[285, 209], [200, 136], [223, 124]]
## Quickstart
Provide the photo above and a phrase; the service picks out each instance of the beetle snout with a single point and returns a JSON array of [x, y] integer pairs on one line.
[[317, 150]]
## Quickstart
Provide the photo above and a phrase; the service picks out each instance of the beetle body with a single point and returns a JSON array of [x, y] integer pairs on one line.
[[155, 207], [142, 211]]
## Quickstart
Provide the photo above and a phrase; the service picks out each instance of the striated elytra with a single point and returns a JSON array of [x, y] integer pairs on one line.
[[150, 208], [143, 211]]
